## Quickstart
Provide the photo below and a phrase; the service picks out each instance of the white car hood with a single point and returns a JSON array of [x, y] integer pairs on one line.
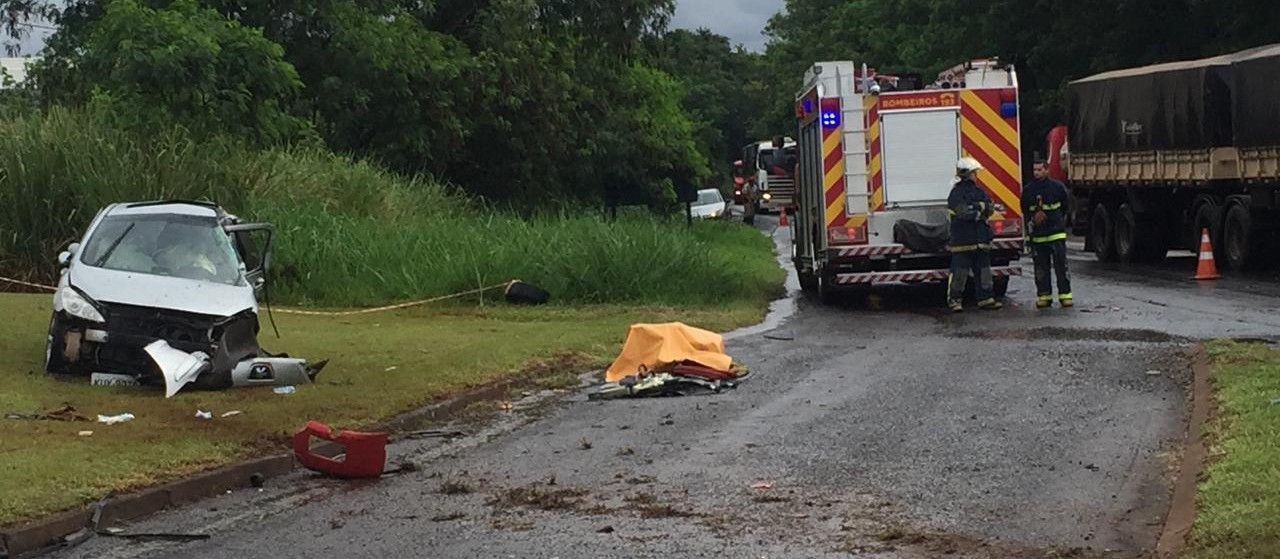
[[146, 290]]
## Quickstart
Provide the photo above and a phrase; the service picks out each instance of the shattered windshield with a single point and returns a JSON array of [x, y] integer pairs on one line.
[[179, 246]]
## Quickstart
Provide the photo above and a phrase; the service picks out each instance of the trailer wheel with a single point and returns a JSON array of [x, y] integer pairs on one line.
[[1102, 234], [1239, 239], [1126, 234], [1207, 218]]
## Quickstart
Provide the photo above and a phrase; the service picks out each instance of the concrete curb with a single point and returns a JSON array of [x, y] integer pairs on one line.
[[53, 531], [1182, 506]]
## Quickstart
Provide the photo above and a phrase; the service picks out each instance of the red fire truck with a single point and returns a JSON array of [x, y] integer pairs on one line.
[[877, 162]]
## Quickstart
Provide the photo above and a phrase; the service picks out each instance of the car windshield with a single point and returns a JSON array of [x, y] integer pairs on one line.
[[709, 197], [179, 246]]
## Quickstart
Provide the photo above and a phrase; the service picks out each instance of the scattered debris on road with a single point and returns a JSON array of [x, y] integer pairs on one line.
[[284, 390], [204, 414], [364, 455], [1154, 373], [762, 485], [85, 434], [231, 413]]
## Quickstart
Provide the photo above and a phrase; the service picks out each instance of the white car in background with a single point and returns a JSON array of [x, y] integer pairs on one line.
[[710, 205]]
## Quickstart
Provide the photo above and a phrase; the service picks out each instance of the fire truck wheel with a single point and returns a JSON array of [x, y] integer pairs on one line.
[[827, 289], [808, 282], [1000, 286]]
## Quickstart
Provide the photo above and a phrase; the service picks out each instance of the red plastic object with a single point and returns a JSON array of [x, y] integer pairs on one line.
[[364, 456], [695, 370]]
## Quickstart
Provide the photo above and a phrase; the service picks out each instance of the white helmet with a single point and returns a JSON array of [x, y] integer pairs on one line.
[[967, 166]]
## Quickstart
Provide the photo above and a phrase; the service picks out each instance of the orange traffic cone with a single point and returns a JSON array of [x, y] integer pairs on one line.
[[1206, 269], [783, 221]]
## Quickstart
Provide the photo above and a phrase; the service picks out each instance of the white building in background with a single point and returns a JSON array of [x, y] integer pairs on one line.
[[15, 68]]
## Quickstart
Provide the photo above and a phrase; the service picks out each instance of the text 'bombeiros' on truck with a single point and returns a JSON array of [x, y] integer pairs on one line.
[[877, 160]]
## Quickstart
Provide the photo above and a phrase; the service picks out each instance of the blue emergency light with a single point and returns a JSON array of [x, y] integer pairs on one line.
[[1008, 110], [830, 119], [808, 106]]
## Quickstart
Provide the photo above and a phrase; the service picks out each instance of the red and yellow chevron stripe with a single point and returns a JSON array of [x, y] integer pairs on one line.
[[993, 141], [875, 179], [833, 182]]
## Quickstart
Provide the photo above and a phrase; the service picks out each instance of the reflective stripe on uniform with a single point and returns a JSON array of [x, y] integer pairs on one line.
[[1050, 238], [1064, 297], [1051, 207], [970, 248], [1044, 298]]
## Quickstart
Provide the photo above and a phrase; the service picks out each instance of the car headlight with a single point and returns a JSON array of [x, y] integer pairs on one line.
[[767, 196], [68, 300]]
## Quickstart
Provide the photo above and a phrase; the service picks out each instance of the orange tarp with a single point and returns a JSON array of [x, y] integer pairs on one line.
[[659, 346]]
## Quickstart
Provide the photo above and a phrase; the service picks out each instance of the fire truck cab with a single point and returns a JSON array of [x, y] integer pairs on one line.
[[877, 160], [771, 167]]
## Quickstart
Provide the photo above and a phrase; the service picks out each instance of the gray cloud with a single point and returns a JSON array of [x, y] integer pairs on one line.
[[742, 21]]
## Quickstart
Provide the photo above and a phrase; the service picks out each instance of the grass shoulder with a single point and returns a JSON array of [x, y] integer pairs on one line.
[[1239, 498]]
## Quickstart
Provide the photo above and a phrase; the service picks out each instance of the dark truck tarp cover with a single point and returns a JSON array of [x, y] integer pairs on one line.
[[1256, 98], [1177, 105]]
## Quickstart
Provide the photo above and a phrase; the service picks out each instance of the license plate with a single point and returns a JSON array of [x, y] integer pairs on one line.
[[108, 379]]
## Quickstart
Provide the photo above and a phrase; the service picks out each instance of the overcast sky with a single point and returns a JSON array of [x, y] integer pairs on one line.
[[742, 21]]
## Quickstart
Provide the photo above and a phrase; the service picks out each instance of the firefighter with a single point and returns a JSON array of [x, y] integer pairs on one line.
[[1044, 202], [969, 207]]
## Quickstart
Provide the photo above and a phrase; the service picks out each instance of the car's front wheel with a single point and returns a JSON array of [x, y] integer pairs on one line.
[[55, 361]]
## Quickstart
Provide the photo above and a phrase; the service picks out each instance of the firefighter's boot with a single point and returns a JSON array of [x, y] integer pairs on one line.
[[955, 306], [991, 305], [1044, 301], [1066, 300]]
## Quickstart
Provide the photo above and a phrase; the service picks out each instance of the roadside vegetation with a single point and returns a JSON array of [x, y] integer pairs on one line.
[[351, 233], [1239, 500]]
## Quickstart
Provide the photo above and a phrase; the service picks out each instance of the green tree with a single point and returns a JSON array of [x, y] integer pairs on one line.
[[179, 64]]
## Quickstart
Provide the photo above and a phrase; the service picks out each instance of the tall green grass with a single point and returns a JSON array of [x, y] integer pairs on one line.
[[351, 233]]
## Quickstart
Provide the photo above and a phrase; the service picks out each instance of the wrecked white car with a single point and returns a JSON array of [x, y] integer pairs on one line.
[[165, 293]]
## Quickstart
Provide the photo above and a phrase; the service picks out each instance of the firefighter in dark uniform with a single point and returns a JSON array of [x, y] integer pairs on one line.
[[1044, 203], [969, 207]]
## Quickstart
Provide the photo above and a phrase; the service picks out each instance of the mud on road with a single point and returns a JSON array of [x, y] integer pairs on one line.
[[882, 428]]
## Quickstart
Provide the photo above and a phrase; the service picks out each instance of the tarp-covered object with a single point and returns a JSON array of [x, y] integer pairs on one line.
[[656, 347], [1221, 101], [1255, 110], [1179, 105]]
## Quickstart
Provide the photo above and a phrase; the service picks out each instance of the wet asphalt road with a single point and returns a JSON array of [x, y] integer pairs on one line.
[[883, 428]]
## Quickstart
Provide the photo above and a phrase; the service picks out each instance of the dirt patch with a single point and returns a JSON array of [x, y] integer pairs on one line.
[[541, 498], [455, 487], [649, 506]]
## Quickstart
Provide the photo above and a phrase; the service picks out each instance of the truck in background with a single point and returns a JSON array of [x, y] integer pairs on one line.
[[877, 163], [770, 170], [1157, 154]]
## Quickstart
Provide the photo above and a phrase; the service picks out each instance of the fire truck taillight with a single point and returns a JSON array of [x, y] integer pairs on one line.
[[1011, 227], [847, 235]]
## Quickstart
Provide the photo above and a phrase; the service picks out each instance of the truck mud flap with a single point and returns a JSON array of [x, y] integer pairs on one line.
[[912, 276]]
